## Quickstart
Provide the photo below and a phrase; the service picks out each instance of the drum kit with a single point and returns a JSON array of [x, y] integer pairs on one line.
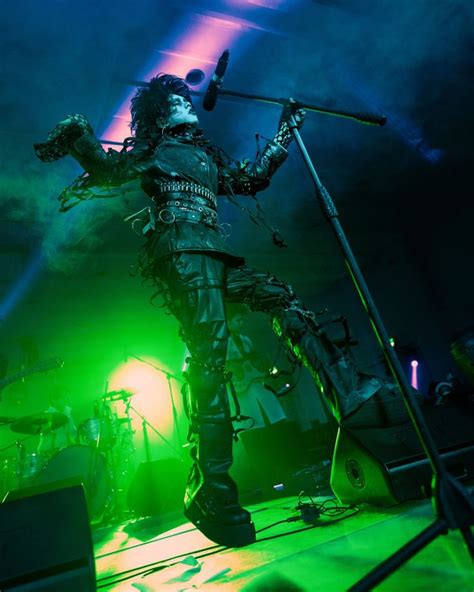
[[102, 456]]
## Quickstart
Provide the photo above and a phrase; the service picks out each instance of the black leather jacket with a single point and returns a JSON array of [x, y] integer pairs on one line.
[[178, 162]]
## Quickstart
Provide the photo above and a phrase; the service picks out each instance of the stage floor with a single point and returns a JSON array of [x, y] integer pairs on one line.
[[328, 557]]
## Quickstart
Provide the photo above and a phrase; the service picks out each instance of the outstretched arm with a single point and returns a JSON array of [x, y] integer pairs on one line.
[[104, 171], [75, 136], [249, 178]]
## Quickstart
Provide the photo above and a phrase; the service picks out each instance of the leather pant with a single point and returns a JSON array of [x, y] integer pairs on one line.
[[198, 285]]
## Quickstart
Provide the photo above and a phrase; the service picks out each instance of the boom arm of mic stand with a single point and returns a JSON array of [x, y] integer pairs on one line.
[[155, 431], [367, 118], [157, 368]]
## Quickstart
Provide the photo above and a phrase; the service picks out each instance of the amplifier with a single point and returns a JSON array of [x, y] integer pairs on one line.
[[45, 543], [386, 466]]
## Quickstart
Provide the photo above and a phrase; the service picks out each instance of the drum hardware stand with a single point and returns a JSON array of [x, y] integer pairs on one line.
[[146, 441], [453, 505], [116, 506], [145, 425], [169, 376], [127, 451], [19, 444], [92, 469]]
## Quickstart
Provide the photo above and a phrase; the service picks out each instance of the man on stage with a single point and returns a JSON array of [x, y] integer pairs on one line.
[[187, 257]]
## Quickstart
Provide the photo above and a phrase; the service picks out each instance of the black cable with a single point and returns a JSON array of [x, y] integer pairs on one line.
[[315, 525], [217, 549], [335, 510], [160, 538], [291, 519], [133, 569], [322, 508], [138, 545], [212, 550], [319, 510], [276, 523]]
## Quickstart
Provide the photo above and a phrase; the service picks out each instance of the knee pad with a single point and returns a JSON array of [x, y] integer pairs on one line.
[[206, 392]]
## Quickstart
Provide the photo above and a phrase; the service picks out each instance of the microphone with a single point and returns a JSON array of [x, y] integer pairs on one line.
[[210, 98]]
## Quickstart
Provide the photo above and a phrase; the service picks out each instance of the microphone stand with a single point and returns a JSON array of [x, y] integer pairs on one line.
[[18, 443], [146, 424], [169, 376], [453, 505]]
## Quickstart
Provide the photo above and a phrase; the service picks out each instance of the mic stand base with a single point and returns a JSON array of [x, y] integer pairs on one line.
[[448, 495]]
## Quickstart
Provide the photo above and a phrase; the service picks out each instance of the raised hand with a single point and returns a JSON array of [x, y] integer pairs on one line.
[[299, 114], [284, 134]]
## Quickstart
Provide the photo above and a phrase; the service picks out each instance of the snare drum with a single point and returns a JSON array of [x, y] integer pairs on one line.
[[30, 465], [89, 431], [19, 471], [97, 432]]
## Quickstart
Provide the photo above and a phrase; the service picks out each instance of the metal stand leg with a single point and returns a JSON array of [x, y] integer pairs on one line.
[[468, 539], [405, 553]]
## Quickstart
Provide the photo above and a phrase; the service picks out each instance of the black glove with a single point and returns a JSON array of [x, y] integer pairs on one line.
[[284, 134], [288, 110], [61, 139]]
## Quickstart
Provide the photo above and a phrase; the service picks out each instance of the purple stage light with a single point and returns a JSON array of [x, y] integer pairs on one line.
[[200, 44], [414, 374], [270, 4]]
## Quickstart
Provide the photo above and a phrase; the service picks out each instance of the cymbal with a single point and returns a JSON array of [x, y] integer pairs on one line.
[[121, 395], [39, 422]]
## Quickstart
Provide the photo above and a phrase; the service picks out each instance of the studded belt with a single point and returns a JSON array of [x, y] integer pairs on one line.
[[163, 188]]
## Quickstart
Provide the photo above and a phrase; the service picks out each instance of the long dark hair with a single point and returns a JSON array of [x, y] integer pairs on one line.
[[150, 104]]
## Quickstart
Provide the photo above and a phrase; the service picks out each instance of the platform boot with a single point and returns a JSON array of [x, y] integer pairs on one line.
[[211, 499], [344, 387]]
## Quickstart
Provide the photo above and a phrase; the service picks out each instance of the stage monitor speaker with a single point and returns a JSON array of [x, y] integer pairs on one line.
[[45, 542], [386, 466], [158, 487]]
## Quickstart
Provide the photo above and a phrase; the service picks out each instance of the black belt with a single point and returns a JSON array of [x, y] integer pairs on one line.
[[185, 207]]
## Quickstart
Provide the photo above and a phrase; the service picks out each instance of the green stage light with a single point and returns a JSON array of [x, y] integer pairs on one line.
[[150, 395]]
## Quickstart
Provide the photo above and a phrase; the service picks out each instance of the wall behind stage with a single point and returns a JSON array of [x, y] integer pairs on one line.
[[424, 289]]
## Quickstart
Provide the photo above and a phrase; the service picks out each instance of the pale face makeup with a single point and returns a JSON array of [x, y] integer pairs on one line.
[[181, 112]]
